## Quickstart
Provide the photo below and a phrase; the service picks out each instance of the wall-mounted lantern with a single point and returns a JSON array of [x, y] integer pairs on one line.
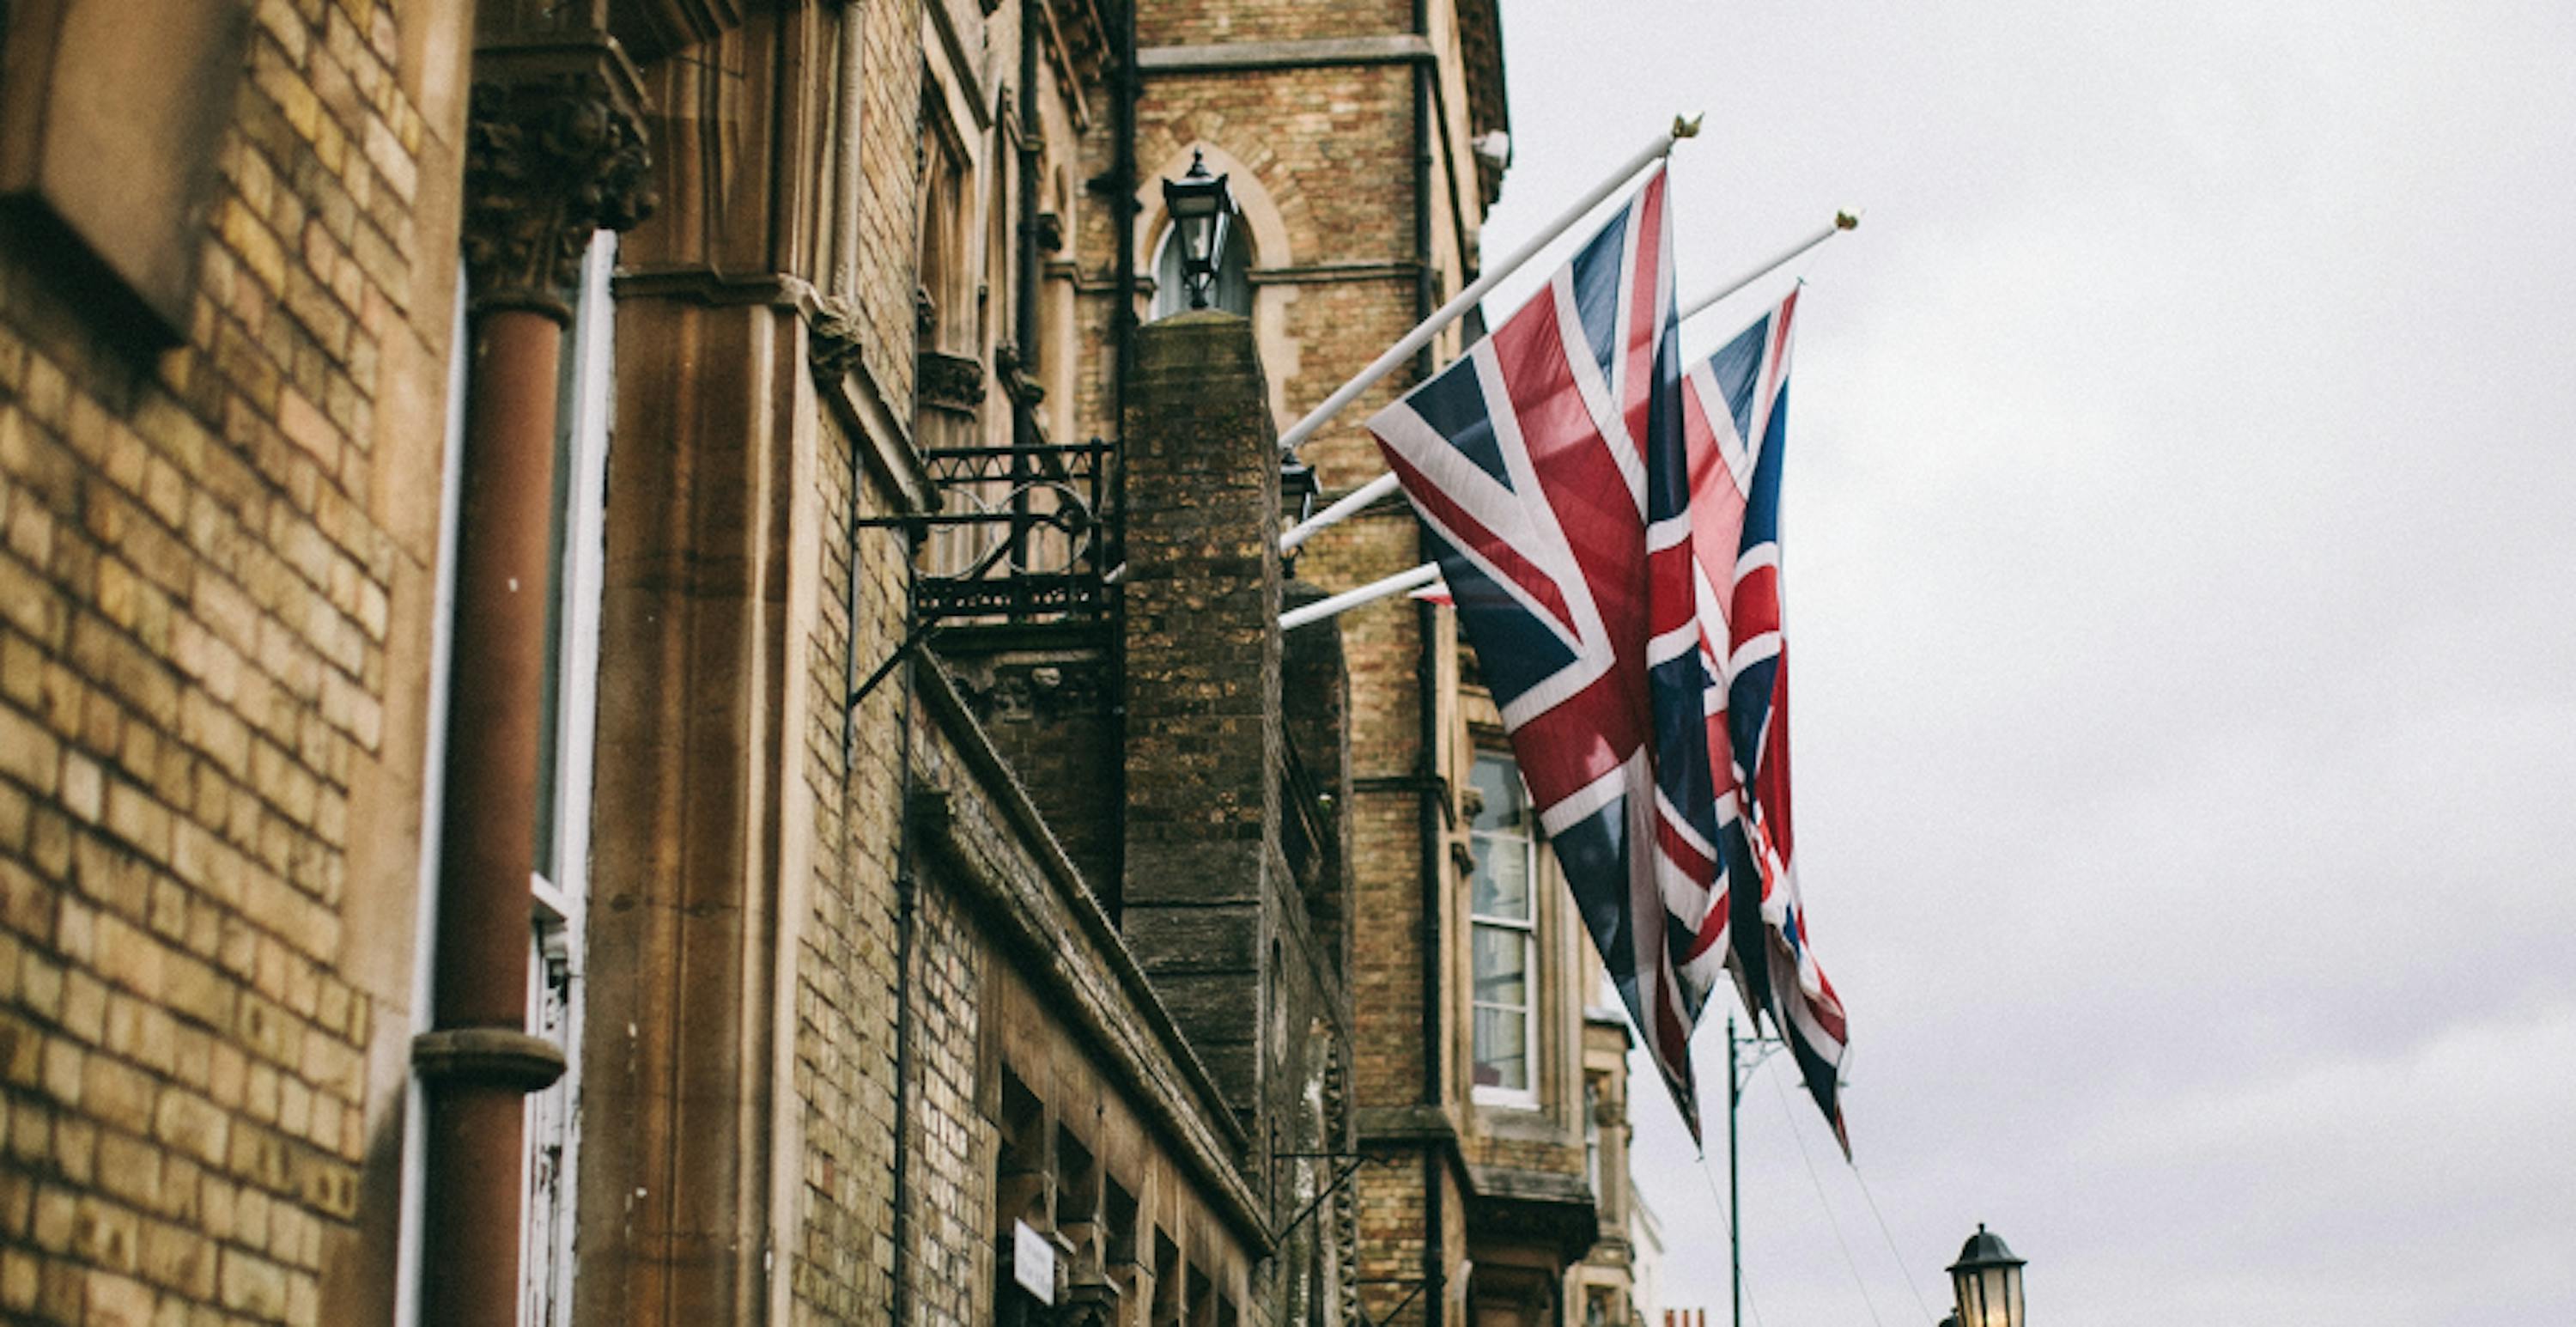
[[1202, 210]]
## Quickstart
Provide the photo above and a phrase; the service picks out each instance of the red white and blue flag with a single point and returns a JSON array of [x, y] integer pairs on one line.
[[1735, 427], [1549, 469]]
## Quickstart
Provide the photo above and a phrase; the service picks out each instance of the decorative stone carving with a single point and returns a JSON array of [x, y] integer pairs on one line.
[[1047, 690], [831, 344], [1088, 1304], [1014, 373], [951, 382], [550, 157]]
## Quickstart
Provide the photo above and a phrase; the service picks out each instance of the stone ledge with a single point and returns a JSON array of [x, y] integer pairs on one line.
[[1316, 53]]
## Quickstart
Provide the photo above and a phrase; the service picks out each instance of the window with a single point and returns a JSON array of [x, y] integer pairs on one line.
[[1592, 1136], [559, 883], [1232, 291], [945, 304], [1503, 933], [559, 876]]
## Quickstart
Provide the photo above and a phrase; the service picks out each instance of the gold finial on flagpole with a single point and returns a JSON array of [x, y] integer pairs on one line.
[[1848, 219], [1688, 127]]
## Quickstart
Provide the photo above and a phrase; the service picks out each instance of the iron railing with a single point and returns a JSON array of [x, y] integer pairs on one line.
[[1024, 535]]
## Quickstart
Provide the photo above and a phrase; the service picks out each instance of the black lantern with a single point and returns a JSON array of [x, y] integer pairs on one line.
[[1297, 489], [1987, 1282], [1202, 209]]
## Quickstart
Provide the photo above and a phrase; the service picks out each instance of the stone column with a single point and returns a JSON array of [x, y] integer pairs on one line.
[[554, 153], [1202, 686]]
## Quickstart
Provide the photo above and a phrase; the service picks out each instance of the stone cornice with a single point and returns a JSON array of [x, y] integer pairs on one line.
[[1314, 53]]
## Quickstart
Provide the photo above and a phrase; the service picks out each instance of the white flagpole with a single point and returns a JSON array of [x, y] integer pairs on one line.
[[1380, 589], [1467, 299], [1342, 507], [1842, 221], [1384, 484]]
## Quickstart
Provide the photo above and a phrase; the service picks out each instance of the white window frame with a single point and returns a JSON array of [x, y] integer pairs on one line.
[[558, 931], [442, 648], [1525, 1097]]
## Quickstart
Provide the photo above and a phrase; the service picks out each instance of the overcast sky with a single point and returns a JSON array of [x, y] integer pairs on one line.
[[2181, 577]]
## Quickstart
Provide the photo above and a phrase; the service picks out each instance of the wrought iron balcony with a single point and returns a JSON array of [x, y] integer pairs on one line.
[[1024, 535]]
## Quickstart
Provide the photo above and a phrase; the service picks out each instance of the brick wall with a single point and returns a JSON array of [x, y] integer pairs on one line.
[[1268, 20], [1204, 863], [214, 572]]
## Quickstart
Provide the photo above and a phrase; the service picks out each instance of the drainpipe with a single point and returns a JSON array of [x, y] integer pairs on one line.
[[549, 160], [1435, 1256], [906, 889], [1426, 281], [1426, 681], [1122, 343], [1024, 293]]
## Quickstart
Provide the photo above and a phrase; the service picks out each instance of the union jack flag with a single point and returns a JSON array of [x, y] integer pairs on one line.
[[1735, 427], [1549, 470]]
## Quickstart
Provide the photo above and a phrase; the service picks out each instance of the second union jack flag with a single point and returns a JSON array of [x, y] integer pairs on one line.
[[1549, 468], [1735, 427]]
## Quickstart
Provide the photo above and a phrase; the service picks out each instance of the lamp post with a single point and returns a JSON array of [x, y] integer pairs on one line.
[[1986, 1282], [1202, 209]]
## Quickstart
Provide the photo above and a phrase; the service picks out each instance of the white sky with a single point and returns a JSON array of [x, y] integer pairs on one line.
[[2181, 554]]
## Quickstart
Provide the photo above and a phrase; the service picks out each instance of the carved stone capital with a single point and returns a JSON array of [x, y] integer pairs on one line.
[[554, 150]]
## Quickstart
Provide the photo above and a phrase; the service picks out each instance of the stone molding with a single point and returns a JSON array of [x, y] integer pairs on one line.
[[1312, 53], [495, 1057]]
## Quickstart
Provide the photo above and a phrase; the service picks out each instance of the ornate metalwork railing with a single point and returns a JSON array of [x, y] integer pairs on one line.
[[1023, 534]]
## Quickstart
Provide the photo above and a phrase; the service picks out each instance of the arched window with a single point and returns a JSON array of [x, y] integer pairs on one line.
[[1232, 291]]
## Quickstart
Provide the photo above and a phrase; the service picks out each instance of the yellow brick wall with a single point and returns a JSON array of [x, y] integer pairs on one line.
[[214, 574]]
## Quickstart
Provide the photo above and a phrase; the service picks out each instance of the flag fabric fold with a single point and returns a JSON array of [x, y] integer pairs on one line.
[[1735, 430], [1606, 525], [1547, 467]]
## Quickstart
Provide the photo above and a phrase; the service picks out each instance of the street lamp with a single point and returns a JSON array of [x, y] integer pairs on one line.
[[1987, 1282], [1202, 209]]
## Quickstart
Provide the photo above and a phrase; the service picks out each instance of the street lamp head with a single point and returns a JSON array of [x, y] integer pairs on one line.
[[1202, 210], [1298, 488], [1987, 1282]]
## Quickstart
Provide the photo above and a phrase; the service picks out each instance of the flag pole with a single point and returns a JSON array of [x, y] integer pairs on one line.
[[1378, 589], [1342, 507], [1842, 221], [1467, 299], [1350, 503]]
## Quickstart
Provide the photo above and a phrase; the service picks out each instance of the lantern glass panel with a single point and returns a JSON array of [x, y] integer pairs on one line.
[[1997, 1295]]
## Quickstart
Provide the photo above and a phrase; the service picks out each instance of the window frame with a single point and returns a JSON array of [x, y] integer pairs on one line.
[[1529, 929], [559, 902]]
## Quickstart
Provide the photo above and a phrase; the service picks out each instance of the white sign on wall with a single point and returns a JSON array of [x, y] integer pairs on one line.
[[1033, 1261]]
